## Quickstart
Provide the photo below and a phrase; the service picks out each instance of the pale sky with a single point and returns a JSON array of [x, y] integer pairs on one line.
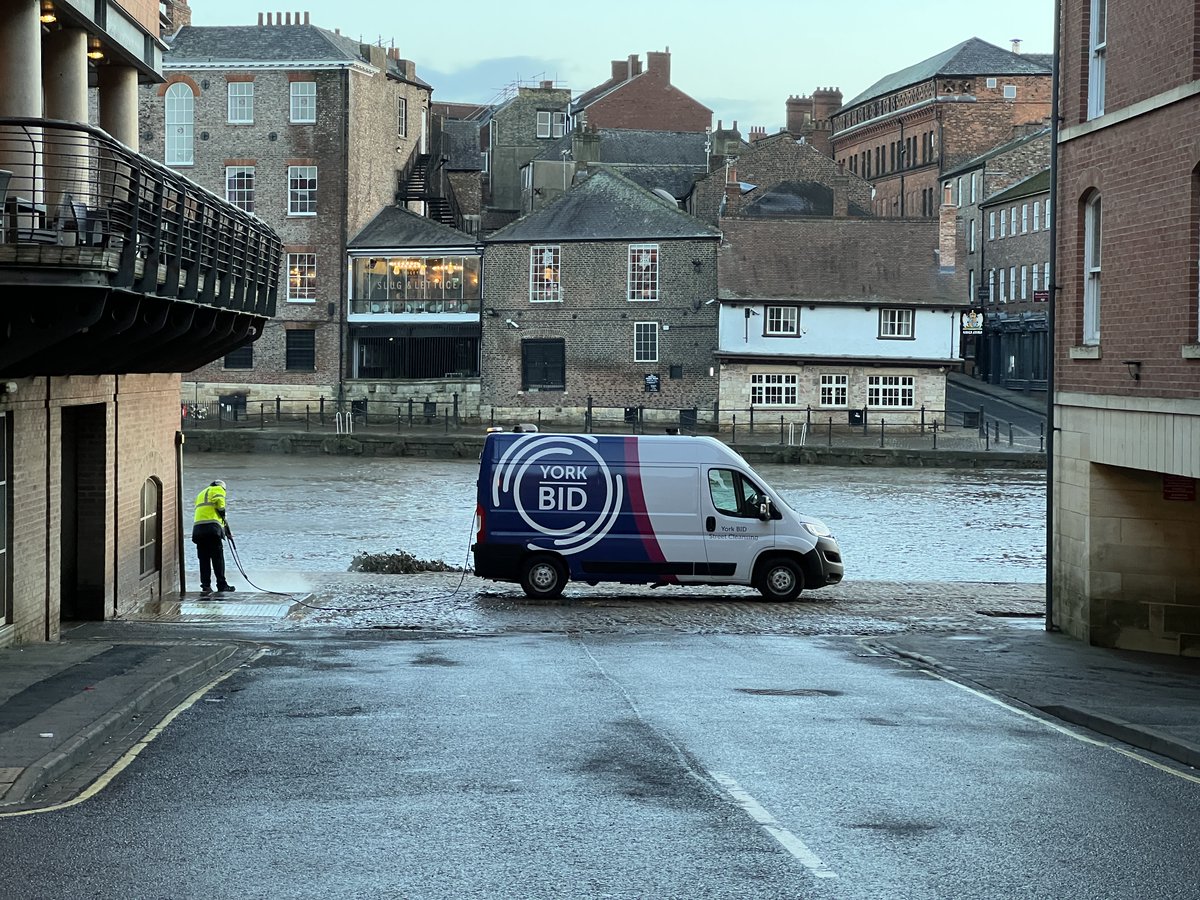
[[741, 58]]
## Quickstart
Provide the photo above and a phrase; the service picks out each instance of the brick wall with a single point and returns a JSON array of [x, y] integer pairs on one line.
[[514, 140], [652, 103], [596, 321]]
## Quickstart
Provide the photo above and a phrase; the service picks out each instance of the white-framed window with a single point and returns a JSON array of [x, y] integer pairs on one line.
[[1003, 295], [958, 192], [991, 285], [645, 342], [150, 528], [1010, 92], [402, 116], [894, 391], [1012, 225], [1046, 276], [971, 287], [1092, 239], [992, 225], [1097, 49], [239, 186], [991, 83], [1037, 215], [544, 272], [783, 321], [1024, 282], [833, 389], [1003, 224], [301, 277], [974, 181], [551, 124], [302, 190], [896, 323], [180, 109], [1024, 218], [1047, 213], [241, 102], [642, 274], [768, 389], [303, 102], [1037, 278], [974, 229], [1012, 283]]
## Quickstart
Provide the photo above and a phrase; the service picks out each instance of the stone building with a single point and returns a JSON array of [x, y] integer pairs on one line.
[[118, 273], [1125, 519], [910, 127], [600, 298], [964, 189], [311, 132], [518, 130]]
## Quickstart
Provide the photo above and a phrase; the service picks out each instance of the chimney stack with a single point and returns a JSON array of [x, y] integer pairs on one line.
[[1016, 45], [260, 20], [660, 64]]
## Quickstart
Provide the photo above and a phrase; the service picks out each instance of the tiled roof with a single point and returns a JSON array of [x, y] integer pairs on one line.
[[1034, 184], [998, 150], [606, 206], [637, 147], [396, 227], [675, 180], [971, 57], [264, 44]]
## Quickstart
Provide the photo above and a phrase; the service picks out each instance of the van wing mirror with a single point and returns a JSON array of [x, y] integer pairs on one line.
[[764, 507]]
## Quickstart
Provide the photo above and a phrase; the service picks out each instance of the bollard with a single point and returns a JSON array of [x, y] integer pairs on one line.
[[830, 441], [399, 418], [882, 425], [808, 417], [996, 426], [982, 423], [278, 406], [447, 416], [307, 425], [733, 430], [321, 410], [922, 418], [1010, 433], [456, 422], [781, 429], [752, 418], [587, 420], [935, 434], [262, 415], [987, 439], [410, 406]]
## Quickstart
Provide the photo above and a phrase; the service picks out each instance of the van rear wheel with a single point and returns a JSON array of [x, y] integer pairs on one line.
[[780, 579], [543, 576]]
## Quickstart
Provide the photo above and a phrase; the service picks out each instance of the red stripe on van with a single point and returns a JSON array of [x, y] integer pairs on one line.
[[637, 506]]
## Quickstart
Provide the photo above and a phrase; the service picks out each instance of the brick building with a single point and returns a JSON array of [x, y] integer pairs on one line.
[[1125, 520], [810, 118], [823, 307], [643, 99], [117, 273], [910, 127], [311, 132], [602, 294], [1018, 332], [518, 130]]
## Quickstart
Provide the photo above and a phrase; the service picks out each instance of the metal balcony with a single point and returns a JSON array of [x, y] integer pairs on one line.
[[113, 263]]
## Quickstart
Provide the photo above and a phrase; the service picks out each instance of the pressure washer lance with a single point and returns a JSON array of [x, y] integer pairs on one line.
[[238, 562]]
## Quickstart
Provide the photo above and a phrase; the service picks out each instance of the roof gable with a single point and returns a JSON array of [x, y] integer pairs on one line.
[[606, 206], [395, 227]]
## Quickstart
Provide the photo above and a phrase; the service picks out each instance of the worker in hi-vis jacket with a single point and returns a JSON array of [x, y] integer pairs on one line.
[[208, 531]]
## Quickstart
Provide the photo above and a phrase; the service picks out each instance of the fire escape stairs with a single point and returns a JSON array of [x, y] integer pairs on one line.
[[417, 188]]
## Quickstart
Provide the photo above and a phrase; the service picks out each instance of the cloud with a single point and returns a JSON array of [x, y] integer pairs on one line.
[[486, 80]]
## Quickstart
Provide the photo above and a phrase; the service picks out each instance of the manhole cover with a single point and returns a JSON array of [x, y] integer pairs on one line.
[[789, 693]]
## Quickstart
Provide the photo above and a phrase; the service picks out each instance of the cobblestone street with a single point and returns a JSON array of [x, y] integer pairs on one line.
[[437, 602]]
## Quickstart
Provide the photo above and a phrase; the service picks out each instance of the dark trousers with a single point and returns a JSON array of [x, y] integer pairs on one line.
[[212, 559]]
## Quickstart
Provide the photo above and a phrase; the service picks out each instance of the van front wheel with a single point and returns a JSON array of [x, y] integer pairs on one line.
[[780, 579], [543, 577]]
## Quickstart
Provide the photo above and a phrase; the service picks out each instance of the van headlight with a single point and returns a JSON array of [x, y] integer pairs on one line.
[[816, 528]]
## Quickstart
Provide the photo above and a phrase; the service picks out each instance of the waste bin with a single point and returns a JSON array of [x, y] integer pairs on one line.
[[970, 419], [856, 416]]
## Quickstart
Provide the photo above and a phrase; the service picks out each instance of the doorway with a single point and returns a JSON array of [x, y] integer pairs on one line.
[[84, 504]]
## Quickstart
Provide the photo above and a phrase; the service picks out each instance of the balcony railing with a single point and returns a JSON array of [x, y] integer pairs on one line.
[[409, 307], [113, 263], [79, 201]]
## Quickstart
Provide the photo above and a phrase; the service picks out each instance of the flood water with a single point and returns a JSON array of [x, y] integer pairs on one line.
[[297, 514]]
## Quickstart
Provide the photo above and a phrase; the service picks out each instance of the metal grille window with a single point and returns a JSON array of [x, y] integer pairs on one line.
[[551, 124], [150, 528], [303, 101], [1091, 272], [643, 272], [301, 350], [772, 390], [180, 109], [241, 358], [402, 117], [302, 277], [896, 323], [239, 186], [241, 102], [890, 391], [833, 390], [543, 365], [544, 273], [645, 342], [302, 190], [783, 320]]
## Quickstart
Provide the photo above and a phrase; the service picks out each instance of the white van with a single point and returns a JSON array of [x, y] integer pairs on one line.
[[659, 509]]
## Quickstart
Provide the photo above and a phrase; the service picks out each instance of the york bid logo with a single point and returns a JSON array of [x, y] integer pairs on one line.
[[561, 488]]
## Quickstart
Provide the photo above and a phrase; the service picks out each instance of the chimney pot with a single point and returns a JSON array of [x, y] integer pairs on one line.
[[260, 20], [306, 17]]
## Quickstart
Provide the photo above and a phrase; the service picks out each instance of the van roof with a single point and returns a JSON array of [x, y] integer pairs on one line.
[[682, 448]]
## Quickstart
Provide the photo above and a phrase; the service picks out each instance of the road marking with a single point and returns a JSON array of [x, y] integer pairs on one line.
[[1061, 729], [771, 826], [131, 754]]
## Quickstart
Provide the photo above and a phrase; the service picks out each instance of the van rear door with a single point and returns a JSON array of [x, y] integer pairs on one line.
[[734, 535]]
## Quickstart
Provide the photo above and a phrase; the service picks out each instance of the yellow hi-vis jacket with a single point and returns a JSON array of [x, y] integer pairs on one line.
[[210, 506]]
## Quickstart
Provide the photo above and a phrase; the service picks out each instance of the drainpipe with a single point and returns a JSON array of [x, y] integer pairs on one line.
[[1050, 324], [343, 295]]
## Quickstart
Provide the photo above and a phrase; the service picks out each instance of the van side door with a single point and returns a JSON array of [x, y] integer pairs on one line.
[[734, 531]]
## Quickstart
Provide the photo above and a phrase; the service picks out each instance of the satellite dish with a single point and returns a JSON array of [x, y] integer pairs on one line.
[[667, 195]]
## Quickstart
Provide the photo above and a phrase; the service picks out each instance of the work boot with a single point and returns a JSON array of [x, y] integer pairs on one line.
[[226, 588], [206, 591]]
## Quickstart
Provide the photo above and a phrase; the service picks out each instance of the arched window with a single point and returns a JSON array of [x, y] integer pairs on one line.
[[150, 528], [1091, 270], [180, 111]]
